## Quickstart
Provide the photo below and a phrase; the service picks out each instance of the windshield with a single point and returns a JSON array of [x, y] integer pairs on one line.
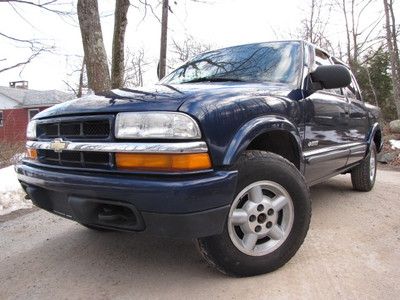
[[277, 62]]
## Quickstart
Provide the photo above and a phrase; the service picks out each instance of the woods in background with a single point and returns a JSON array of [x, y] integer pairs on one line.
[[369, 44]]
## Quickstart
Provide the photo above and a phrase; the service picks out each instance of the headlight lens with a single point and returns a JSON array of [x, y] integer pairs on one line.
[[156, 125], [31, 130]]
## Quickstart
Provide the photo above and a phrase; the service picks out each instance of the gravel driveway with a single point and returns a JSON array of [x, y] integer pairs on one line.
[[352, 251]]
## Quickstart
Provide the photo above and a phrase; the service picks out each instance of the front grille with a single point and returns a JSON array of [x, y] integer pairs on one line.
[[80, 159], [90, 129], [79, 128]]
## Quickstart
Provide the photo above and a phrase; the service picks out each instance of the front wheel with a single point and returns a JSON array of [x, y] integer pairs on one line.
[[268, 219], [363, 176]]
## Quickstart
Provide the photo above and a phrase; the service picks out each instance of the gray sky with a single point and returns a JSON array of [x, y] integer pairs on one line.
[[222, 23]]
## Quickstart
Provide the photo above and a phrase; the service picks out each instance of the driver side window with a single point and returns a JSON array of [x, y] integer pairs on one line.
[[321, 59]]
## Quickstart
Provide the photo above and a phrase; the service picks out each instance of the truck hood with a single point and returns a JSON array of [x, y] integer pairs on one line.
[[159, 98]]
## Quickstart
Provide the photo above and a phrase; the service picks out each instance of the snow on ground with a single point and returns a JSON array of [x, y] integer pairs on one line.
[[395, 144], [12, 197]]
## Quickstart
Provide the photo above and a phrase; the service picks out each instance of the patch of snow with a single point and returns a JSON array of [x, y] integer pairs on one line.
[[395, 144], [12, 196], [17, 157]]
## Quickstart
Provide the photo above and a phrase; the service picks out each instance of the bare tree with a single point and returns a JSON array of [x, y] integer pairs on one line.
[[120, 23], [36, 46], [49, 5], [188, 48], [164, 38], [395, 34], [93, 46], [359, 39], [78, 87], [166, 9], [315, 24], [391, 38], [29, 59], [82, 76], [135, 67], [372, 86]]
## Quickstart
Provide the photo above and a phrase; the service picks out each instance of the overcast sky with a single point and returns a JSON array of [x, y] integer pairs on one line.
[[221, 23]]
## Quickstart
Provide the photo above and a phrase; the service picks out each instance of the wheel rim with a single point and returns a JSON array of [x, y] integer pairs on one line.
[[372, 165], [261, 218]]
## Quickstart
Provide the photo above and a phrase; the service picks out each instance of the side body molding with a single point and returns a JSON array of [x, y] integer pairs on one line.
[[249, 131]]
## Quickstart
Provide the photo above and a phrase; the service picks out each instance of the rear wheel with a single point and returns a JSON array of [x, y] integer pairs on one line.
[[268, 219], [363, 176]]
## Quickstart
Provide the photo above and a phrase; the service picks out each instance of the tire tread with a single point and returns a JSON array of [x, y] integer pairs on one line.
[[360, 177], [205, 245]]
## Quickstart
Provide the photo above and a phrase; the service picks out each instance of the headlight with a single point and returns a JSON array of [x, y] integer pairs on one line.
[[31, 130], [156, 125]]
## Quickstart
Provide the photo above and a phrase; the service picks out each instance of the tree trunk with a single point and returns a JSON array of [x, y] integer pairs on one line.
[[354, 60], [371, 84], [80, 87], [118, 59], [92, 39], [348, 46], [311, 29], [394, 34], [164, 33], [394, 61]]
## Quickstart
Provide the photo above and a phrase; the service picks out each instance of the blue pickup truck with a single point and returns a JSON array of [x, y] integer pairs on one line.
[[223, 150]]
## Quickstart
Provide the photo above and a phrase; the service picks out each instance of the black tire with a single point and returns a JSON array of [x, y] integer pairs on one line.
[[253, 166], [361, 175]]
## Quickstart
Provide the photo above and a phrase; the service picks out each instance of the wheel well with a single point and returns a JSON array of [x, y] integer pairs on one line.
[[378, 139], [279, 142]]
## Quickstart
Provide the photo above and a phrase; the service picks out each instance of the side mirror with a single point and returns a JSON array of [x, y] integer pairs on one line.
[[330, 77]]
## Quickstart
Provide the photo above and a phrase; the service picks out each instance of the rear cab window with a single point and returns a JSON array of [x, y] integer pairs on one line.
[[352, 90]]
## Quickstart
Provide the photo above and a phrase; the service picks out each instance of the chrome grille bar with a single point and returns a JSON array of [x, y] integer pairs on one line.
[[180, 147]]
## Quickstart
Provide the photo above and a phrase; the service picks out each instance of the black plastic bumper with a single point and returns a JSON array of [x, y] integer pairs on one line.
[[181, 206]]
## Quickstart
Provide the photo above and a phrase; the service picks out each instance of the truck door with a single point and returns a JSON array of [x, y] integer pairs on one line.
[[326, 125], [357, 130]]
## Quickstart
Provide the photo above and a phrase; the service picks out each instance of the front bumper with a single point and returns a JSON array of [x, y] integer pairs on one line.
[[182, 206]]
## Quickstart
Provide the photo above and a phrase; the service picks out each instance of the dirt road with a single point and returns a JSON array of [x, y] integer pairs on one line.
[[352, 251]]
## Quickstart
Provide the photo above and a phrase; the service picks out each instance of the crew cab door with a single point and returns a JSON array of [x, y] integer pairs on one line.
[[325, 130], [357, 130]]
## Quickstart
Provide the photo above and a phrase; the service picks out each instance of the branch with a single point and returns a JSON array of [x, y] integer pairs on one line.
[[369, 58], [27, 61], [360, 12], [44, 6], [71, 88], [21, 16], [147, 5], [30, 42]]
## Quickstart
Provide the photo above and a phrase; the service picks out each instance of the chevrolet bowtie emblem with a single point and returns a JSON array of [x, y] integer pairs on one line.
[[58, 145]]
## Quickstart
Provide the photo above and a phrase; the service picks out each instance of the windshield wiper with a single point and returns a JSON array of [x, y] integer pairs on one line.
[[213, 79], [172, 88]]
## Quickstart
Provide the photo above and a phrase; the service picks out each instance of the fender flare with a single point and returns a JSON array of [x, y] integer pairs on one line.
[[255, 127], [375, 128]]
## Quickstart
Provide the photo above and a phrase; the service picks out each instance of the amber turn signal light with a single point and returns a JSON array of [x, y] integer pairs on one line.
[[163, 162], [31, 153]]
